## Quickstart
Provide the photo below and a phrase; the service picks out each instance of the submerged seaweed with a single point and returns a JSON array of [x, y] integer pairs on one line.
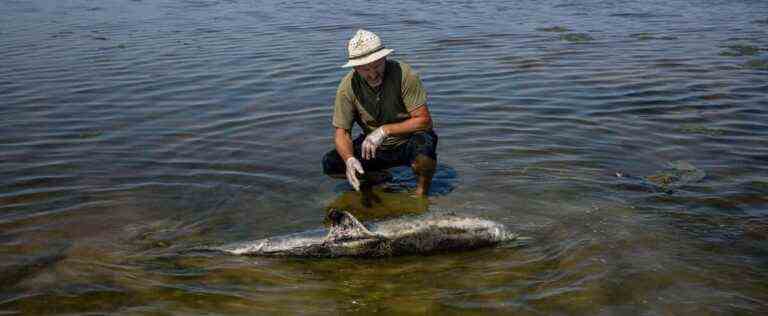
[[740, 50], [757, 64], [644, 36], [576, 37], [556, 29], [700, 129], [678, 174]]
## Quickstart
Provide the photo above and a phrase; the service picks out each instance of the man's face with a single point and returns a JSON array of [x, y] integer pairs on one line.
[[373, 72]]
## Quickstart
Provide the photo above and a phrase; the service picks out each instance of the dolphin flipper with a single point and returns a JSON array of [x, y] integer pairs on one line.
[[344, 226]]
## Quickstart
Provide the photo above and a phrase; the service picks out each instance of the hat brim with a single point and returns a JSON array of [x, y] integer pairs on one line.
[[368, 59]]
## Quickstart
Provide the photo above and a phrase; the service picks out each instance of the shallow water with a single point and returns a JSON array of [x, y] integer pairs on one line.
[[132, 130]]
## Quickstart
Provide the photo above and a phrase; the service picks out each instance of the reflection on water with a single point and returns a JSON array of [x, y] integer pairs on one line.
[[133, 131]]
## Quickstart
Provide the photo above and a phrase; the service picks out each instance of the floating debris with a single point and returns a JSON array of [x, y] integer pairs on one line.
[[556, 29], [740, 50], [764, 21], [576, 37], [700, 129]]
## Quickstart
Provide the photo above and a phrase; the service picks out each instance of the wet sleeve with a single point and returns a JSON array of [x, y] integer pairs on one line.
[[413, 92], [344, 107]]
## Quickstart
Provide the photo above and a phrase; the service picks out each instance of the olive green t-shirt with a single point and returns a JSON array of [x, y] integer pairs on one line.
[[400, 93]]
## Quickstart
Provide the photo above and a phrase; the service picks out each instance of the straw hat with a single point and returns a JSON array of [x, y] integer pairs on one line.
[[365, 47]]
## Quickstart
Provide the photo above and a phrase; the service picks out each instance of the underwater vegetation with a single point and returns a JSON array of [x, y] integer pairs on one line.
[[555, 29], [740, 50], [757, 64], [678, 174], [700, 129], [645, 36], [576, 37]]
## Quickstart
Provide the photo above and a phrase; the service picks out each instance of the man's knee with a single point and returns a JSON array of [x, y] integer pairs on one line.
[[424, 165], [423, 144]]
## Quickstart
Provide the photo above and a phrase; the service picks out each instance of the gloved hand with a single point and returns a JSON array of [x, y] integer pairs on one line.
[[372, 141], [354, 165]]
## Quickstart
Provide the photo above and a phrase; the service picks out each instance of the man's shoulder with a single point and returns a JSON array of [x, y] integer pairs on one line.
[[346, 82], [406, 69], [401, 63], [348, 76]]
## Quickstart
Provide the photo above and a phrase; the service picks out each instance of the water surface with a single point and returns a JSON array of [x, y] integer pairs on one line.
[[131, 131]]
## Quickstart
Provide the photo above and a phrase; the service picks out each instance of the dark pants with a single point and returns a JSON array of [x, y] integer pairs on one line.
[[420, 143]]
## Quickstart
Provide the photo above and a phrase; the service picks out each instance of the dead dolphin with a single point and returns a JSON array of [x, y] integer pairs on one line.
[[405, 235]]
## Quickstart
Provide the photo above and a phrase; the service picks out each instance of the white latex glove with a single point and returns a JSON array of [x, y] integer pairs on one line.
[[354, 165], [372, 141]]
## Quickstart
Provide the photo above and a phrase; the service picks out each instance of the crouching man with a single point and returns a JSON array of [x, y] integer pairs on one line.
[[386, 99]]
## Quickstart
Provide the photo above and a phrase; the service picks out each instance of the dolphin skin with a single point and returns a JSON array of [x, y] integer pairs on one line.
[[347, 237]]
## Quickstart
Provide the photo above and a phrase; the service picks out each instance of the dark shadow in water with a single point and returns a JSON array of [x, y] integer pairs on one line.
[[443, 182], [388, 204], [393, 197]]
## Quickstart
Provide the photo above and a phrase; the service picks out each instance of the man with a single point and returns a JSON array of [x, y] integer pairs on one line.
[[386, 99]]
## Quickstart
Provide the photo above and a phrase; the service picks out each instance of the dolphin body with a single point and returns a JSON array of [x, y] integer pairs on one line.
[[347, 237]]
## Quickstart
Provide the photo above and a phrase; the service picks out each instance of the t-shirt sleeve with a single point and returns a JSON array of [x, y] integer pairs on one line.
[[344, 107], [413, 92]]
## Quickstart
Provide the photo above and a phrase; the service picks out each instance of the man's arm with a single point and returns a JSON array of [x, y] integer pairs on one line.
[[420, 120], [343, 140]]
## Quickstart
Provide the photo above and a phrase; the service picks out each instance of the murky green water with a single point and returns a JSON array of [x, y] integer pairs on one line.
[[627, 139]]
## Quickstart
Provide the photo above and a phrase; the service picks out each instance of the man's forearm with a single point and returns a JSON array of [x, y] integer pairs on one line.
[[343, 140], [408, 126], [420, 120]]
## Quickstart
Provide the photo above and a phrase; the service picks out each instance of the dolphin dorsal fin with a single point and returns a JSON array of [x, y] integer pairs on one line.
[[344, 226]]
